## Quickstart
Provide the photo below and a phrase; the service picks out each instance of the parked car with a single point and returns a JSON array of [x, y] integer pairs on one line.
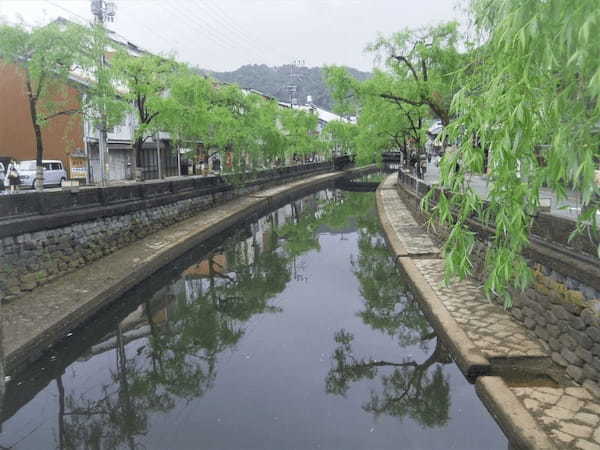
[[54, 173], [4, 162]]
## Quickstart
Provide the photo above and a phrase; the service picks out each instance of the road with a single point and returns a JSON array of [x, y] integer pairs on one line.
[[569, 208]]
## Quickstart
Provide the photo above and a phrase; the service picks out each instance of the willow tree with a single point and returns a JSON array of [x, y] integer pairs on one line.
[[185, 112], [244, 123], [386, 124], [340, 136], [47, 57], [223, 117], [416, 84], [300, 131], [420, 66], [146, 80], [530, 95], [265, 136]]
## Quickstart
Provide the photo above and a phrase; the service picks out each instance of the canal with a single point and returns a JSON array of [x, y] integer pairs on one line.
[[293, 331]]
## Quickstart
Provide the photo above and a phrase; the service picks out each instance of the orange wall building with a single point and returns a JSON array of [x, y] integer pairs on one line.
[[62, 135]]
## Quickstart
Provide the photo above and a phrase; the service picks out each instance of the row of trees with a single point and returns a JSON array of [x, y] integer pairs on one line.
[[163, 94], [517, 92]]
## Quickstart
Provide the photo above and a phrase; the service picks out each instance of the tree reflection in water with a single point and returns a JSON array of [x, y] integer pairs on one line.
[[168, 350], [188, 328], [419, 390]]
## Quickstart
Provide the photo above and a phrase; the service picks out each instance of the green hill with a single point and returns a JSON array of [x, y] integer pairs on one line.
[[274, 81]]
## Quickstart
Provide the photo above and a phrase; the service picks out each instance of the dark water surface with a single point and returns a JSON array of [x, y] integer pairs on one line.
[[295, 332]]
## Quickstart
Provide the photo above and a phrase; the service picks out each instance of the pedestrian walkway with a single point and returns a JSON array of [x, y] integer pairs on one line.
[[569, 208], [534, 402]]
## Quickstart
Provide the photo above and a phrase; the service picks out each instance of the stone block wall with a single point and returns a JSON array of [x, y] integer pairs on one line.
[[566, 316], [561, 305], [36, 249]]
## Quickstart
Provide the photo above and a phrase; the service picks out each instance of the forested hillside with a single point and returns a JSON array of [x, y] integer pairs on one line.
[[274, 81]]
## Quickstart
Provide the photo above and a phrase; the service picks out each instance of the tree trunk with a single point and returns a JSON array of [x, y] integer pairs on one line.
[[138, 174], [61, 412], [137, 147], [39, 143]]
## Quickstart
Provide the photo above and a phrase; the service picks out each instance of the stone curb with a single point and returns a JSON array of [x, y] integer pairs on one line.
[[517, 424], [469, 358], [50, 333]]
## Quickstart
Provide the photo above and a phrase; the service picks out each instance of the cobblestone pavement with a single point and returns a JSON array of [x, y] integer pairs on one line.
[[570, 416], [490, 328], [415, 239], [389, 182]]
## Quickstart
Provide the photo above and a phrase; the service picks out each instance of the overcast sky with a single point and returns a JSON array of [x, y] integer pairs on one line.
[[222, 35]]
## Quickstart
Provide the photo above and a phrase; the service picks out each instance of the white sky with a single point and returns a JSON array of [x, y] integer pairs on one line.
[[222, 35]]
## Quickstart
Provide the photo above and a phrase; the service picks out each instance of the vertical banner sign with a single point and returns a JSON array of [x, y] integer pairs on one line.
[[77, 167]]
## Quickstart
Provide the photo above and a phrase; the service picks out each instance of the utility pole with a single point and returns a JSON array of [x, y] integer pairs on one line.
[[102, 10], [292, 83]]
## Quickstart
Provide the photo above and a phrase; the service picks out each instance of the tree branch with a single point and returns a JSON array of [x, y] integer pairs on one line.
[[67, 112], [151, 116], [408, 64], [398, 99]]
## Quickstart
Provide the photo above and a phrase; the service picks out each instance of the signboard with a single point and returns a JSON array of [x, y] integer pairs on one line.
[[77, 167]]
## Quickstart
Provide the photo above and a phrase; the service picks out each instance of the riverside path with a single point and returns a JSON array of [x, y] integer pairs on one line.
[[532, 399]]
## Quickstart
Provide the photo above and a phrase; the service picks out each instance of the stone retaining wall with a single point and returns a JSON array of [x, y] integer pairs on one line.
[[562, 305], [46, 235]]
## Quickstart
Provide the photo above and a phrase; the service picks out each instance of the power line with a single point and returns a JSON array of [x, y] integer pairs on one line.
[[86, 20], [197, 25], [153, 32], [241, 30], [232, 28], [222, 39]]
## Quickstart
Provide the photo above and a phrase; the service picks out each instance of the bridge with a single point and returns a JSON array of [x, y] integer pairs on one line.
[[391, 160], [356, 186]]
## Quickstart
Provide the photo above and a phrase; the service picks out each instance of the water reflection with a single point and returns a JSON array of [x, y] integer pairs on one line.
[[167, 349], [175, 343], [408, 387], [185, 326]]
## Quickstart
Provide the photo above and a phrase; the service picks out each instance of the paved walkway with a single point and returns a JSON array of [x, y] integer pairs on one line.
[[544, 411], [569, 208]]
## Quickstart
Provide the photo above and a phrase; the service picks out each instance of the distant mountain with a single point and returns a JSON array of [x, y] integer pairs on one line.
[[274, 81]]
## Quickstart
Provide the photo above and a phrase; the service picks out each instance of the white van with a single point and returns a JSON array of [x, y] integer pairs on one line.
[[54, 173]]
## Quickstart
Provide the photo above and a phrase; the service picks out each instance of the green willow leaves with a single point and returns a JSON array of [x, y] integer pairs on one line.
[[529, 100]]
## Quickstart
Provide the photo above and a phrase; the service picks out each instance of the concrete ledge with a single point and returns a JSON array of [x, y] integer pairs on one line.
[[516, 423], [469, 358], [395, 244]]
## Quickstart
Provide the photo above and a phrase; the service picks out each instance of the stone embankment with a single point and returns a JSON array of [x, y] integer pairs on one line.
[[526, 378], [44, 235], [562, 305], [34, 322]]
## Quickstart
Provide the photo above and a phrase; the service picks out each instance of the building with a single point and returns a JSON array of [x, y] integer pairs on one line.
[[74, 139], [62, 139]]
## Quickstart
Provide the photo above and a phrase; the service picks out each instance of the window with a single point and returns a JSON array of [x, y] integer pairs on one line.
[[47, 166], [56, 166]]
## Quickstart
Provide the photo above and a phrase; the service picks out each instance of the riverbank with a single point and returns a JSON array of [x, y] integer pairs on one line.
[[533, 400], [33, 323]]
